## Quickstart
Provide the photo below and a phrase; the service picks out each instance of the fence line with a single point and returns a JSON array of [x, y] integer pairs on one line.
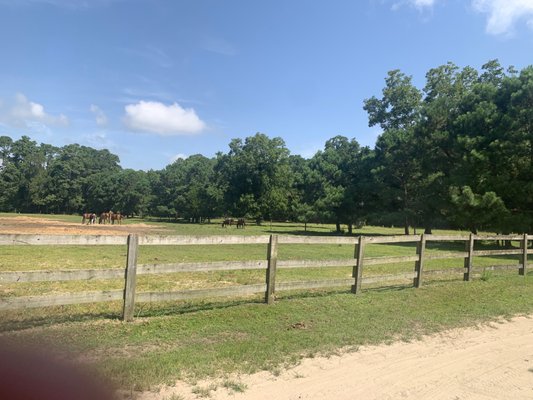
[[129, 296]]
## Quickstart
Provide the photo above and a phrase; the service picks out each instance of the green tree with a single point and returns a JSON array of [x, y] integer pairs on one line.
[[339, 197], [132, 192], [6, 143], [255, 178], [21, 174], [69, 174], [477, 211], [192, 191], [398, 172]]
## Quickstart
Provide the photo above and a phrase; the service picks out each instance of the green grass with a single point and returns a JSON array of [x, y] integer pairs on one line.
[[219, 337], [235, 386], [207, 340], [24, 258]]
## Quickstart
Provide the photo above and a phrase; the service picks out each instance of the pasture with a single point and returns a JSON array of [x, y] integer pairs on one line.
[[194, 339]]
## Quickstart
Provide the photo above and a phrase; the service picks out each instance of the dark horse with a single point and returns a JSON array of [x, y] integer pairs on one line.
[[103, 218], [241, 223], [227, 222]]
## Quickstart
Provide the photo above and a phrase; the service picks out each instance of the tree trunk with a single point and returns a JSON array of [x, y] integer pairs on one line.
[[406, 226], [338, 227], [350, 228]]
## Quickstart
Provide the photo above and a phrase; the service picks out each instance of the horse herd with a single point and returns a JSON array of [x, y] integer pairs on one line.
[[116, 217], [104, 218], [239, 223]]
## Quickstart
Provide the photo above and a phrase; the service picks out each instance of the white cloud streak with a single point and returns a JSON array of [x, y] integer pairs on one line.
[[503, 15], [422, 3], [418, 4], [101, 118], [23, 113], [158, 118]]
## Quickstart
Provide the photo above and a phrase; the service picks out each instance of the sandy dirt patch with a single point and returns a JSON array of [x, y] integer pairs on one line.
[[493, 361], [35, 225]]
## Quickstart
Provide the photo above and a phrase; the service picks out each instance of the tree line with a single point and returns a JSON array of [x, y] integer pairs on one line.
[[455, 153]]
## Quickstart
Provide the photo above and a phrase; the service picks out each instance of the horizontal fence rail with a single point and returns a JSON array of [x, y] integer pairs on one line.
[[58, 276], [13, 303], [129, 295]]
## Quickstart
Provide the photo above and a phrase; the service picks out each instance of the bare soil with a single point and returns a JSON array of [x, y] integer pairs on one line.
[[492, 361], [35, 225]]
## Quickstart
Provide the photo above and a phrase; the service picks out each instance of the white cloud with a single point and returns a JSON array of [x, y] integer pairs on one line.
[[101, 118], [155, 117], [98, 140], [178, 156], [24, 113], [504, 14], [422, 3], [419, 4]]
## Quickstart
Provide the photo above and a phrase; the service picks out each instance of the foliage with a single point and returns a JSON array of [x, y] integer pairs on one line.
[[457, 152], [255, 178]]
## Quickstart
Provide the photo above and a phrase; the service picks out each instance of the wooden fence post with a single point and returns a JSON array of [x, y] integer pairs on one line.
[[523, 270], [131, 278], [358, 267], [272, 258], [469, 259], [419, 264]]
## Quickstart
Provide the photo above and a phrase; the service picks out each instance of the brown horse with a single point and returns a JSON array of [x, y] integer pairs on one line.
[[85, 217], [116, 217], [90, 218], [103, 218], [241, 223]]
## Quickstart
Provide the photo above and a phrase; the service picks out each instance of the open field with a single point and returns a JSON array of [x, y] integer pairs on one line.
[[207, 338]]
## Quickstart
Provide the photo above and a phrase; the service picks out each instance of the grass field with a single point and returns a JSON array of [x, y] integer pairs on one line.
[[217, 337]]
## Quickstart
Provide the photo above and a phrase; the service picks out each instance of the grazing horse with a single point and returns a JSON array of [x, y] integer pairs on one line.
[[103, 218], [227, 222], [116, 217], [85, 217], [90, 218], [241, 223]]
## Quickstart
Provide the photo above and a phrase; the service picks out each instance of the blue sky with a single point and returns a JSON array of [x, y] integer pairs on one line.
[[152, 80]]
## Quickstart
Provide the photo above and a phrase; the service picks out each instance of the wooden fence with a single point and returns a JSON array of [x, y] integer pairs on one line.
[[129, 296]]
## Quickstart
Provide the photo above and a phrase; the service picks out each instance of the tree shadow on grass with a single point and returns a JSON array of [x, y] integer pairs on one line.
[[43, 319], [148, 310], [329, 232], [18, 323]]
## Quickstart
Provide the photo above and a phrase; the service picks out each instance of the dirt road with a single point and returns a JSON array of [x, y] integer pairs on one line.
[[36, 225], [494, 361]]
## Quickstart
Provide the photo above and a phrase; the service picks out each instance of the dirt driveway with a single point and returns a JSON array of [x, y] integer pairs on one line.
[[493, 361], [36, 225]]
